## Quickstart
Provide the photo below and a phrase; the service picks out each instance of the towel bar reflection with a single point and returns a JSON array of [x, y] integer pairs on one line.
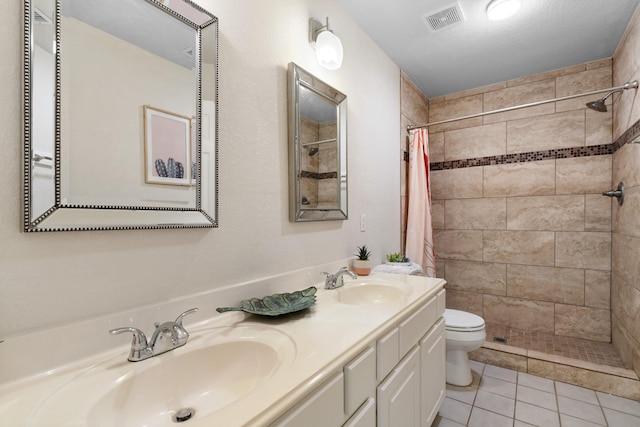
[[42, 160]]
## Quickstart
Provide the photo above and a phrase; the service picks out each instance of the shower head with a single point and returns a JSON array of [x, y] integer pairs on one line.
[[600, 106], [312, 151]]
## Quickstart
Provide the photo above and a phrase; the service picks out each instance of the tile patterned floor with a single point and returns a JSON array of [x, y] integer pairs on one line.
[[575, 348], [502, 397]]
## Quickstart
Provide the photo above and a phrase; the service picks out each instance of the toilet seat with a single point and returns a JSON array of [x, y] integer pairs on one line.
[[462, 321]]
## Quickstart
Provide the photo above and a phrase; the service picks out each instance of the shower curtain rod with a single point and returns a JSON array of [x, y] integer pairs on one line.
[[515, 107]]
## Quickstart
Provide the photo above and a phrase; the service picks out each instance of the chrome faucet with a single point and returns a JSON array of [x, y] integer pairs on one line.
[[167, 336], [334, 281]]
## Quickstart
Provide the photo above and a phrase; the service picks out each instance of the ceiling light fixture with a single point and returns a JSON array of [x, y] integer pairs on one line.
[[328, 46], [497, 10]]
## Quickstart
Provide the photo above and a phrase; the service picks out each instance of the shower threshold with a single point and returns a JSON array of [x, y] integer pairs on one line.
[[581, 362]]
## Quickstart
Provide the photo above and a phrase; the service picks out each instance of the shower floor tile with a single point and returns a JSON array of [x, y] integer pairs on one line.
[[574, 348]]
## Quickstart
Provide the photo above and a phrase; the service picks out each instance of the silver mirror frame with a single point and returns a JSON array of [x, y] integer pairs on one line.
[[299, 79], [73, 217]]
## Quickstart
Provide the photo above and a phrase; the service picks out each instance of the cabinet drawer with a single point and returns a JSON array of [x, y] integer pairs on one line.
[[387, 351], [359, 380], [365, 417], [322, 408], [416, 325]]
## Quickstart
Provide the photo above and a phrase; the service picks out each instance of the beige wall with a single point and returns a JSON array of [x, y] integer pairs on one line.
[[48, 279], [524, 239], [625, 295]]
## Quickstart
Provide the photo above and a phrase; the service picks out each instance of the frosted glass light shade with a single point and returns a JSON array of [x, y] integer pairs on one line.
[[498, 10], [329, 50]]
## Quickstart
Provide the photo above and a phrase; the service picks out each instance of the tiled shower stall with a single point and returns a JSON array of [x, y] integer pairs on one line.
[[522, 233]]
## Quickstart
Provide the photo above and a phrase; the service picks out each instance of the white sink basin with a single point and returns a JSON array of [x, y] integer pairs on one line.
[[212, 371], [370, 293]]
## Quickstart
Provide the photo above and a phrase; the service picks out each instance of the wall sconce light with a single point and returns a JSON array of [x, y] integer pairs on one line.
[[497, 10], [328, 46]]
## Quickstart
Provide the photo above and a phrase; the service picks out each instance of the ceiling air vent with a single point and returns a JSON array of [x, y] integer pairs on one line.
[[41, 18], [444, 17]]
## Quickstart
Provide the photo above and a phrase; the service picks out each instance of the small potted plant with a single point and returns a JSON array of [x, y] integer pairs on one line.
[[362, 264], [397, 259]]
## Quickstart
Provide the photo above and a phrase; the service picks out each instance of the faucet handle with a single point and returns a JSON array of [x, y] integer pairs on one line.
[[179, 318], [139, 341]]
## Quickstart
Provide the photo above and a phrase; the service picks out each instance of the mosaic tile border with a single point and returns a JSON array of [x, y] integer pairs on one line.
[[533, 156]]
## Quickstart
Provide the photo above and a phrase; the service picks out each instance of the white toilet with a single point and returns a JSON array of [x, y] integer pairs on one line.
[[465, 333]]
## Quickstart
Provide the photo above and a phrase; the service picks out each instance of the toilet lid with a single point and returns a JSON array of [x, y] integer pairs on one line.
[[457, 320]]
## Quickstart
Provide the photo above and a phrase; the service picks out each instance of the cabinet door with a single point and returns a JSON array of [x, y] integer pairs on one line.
[[359, 380], [432, 371], [399, 395], [324, 407]]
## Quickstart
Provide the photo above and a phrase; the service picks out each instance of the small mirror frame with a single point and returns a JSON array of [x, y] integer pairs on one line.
[[297, 78]]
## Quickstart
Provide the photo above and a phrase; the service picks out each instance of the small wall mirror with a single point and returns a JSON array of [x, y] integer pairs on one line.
[[120, 115], [317, 149]]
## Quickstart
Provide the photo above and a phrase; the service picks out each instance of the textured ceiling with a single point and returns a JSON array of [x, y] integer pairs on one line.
[[545, 35]]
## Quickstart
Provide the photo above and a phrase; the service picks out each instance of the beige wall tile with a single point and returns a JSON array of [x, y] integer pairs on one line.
[[598, 127], [582, 82], [625, 253], [465, 301], [597, 289], [413, 103], [519, 247], [583, 250], [625, 304], [625, 345], [476, 214], [597, 213], [458, 244], [626, 66], [583, 322], [564, 285], [551, 131], [520, 179], [548, 75], [465, 183], [518, 313], [437, 214], [436, 147], [459, 107], [518, 95], [476, 277], [480, 141], [562, 213], [440, 269], [582, 175], [627, 220], [626, 166]]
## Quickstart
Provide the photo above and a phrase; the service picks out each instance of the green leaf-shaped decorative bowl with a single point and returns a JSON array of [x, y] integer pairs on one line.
[[276, 304]]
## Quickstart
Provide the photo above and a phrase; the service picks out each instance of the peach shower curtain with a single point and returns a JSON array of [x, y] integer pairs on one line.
[[419, 243]]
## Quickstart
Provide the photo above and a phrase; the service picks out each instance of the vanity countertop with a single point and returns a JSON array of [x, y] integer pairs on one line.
[[317, 342]]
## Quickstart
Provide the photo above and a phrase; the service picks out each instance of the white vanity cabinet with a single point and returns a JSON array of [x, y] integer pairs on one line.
[[398, 380]]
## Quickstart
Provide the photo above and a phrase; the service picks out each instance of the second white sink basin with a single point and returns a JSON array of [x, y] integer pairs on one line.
[[370, 293]]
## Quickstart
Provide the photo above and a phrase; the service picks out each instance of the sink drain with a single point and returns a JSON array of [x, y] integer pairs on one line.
[[183, 415]]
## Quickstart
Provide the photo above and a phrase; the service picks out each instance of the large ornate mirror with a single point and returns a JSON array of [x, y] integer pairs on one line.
[[120, 115], [317, 149]]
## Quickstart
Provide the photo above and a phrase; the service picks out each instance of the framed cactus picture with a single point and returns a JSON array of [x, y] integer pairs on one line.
[[167, 147]]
